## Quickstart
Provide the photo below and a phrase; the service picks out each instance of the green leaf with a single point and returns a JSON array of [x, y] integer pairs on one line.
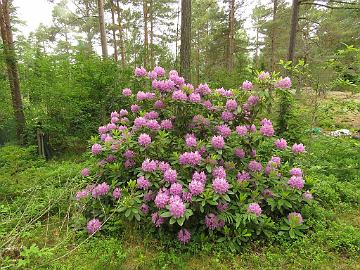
[[165, 214], [127, 213], [180, 221], [172, 221], [292, 233]]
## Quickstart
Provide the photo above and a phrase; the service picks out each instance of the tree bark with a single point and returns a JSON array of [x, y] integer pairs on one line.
[[121, 34], [104, 50], [272, 57], [272, 60], [177, 39], [185, 46], [294, 22], [257, 48], [197, 58], [146, 33], [11, 65], [152, 54], [114, 31], [89, 35], [231, 40]]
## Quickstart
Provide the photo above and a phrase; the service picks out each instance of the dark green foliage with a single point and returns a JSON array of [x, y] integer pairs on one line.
[[69, 95]]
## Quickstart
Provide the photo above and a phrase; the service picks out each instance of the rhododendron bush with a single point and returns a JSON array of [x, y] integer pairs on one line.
[[193, 160]]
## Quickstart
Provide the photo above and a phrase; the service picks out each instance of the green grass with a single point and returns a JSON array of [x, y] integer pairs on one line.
[[41, 229]]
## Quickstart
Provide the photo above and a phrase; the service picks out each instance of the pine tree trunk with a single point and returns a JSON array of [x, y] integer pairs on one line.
[[231, 41], [257, 48], [88, 32], [146, 33], [197, 58], [177, 39], [104, 50], [273, 35], [294, 22], [152, 56], [11, 65], [114, 32], [272, 57], [185, 46], [121, 34]]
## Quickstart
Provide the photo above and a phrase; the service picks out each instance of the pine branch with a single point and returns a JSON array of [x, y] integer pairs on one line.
[[331, 7]]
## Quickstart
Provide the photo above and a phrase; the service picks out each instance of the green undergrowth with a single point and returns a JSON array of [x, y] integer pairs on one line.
[[40, 227]]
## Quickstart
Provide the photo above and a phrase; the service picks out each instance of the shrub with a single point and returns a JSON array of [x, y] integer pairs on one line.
[[191, 159]]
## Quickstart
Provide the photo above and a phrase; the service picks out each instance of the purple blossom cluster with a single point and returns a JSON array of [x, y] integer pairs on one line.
[[190, 158], [213, 222], [254, 208], [100, 190]]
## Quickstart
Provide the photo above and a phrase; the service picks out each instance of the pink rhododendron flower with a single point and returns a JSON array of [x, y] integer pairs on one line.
[[295, 217], [243, 176], [241, 130], [144, 140], [284, 83], [307, 195], [96, 149], [195, 97], [176, 189], [218, 142], [240, 153], [199, 176], [126, 92], [255, 166], [190, 158], [116, 193], [227, 116], [296, 182], [140, 72], [177, 207], [190, 140], [160, 71], [170, 175], [254, 208], [281, 144], [223, 130], [298, 148], [85, 172], [296, 172], [162, 199], [231, 105], [263, 76], [100, 190], [184, 236], [149, 165], [196, 187], [220, 185], [247, 85], [143, 183], [93, 226]]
